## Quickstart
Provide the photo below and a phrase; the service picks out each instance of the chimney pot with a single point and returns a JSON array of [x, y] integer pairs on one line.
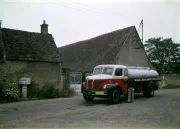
[[44, 27], [44, 21]]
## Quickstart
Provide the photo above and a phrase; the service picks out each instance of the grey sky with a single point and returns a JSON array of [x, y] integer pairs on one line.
[[75, 20]]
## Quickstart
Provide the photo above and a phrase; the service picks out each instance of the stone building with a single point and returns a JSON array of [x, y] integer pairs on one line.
[[33, 54]]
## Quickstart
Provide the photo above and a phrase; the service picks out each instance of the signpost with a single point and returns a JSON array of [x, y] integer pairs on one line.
[[24, 82]]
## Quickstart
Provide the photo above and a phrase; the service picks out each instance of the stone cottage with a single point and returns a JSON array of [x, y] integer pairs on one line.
[[33, 54]]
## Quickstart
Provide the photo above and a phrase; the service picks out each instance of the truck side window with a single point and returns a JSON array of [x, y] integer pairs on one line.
[[125, 72], [118, 72]]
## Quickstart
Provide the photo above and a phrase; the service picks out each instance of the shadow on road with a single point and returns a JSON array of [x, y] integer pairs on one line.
[[105, 101]]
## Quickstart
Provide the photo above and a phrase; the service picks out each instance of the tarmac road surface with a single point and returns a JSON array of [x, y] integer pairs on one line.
[[160, 111]]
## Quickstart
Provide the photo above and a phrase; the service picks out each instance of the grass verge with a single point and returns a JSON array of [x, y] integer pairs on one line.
[[171, 86]]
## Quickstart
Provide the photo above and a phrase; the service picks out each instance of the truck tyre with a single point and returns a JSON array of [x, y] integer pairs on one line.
[[149, 91], [88, 97], [115, 96]]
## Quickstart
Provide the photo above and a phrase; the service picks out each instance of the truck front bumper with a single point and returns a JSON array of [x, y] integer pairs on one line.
[[95, 93]]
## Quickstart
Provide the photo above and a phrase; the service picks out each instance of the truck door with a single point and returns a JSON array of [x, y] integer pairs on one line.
[[121, 77], [118, 77], [125, 76]]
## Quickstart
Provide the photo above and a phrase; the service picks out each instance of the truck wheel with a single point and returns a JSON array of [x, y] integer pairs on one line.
[[115, 96], [88, 97], [149, 91]]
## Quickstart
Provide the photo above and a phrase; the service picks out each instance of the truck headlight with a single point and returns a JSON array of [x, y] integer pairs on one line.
[[105, 86]]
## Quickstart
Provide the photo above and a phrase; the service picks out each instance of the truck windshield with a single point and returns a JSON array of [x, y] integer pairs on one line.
[[105, 70]]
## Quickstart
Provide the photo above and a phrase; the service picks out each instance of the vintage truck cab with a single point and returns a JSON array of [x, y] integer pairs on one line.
[[111, 81]]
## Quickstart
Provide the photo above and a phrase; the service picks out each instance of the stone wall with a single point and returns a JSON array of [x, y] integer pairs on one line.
[[65, 78], [40, 72]]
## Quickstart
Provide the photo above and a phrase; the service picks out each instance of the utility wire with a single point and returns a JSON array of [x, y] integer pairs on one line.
[[86, 8], [82, 7], [98, 9]]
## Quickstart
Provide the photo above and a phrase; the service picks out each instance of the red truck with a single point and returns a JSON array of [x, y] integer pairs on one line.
[[110, 81]]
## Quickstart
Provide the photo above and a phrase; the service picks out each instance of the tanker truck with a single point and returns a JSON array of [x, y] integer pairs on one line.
[[111, 81]]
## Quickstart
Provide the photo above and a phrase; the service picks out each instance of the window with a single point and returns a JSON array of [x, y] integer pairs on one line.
[[125, 72], [108, 71], [105, 70], [118, 72], [97, 71], [75, 78]]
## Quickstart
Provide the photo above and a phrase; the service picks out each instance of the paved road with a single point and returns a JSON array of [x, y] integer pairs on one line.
[[163, 110]]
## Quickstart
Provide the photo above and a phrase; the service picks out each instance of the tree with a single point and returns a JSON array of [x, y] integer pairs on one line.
[[164, 54]]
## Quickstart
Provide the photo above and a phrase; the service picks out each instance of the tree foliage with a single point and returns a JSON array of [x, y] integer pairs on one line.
[[164, 54]]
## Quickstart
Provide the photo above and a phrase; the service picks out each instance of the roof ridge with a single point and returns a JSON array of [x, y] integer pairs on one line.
[[24, 31], [99, 36]]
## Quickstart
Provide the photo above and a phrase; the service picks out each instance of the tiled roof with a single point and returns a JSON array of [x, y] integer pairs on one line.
[[84, 55], [28, 46]]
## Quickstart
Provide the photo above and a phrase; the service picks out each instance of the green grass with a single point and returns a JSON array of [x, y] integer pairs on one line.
[[171, 86]]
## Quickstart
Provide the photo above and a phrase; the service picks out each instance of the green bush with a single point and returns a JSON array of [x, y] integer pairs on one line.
[[33, 90], [49, 91], [171, 86], [9, 91]]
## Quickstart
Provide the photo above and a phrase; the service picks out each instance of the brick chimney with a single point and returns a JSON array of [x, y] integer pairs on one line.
[[44, 27]]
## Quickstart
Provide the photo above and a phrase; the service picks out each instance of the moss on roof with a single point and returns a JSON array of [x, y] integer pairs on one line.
[[29, 46]]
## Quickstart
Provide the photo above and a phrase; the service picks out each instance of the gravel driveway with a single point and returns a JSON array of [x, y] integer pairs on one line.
[[161, 111]]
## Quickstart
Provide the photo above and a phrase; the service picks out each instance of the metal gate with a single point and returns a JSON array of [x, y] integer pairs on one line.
[[76, 81]]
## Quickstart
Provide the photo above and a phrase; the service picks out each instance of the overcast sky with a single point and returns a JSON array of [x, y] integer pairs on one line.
[[75, 20]]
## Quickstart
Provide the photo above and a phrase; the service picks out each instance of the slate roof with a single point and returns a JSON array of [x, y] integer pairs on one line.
[[28, 46], [84, 55]]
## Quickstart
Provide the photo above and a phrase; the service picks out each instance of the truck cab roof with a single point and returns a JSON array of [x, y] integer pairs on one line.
[[112, 66]]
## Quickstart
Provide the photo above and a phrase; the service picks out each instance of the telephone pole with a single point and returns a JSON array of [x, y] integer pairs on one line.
[[142, 29], [141, 26]]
